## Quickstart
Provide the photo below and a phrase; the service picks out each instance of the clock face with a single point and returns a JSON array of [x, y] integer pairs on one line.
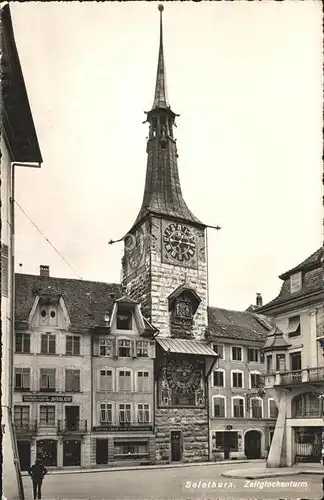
[[184, 376], [134, 247], [179, 242]]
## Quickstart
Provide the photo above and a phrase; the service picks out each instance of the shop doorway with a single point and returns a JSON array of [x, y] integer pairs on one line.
[[252, 444], [71, 453], [101, 451], [47, 451], [176, 451], [24, 454], [72, 417]]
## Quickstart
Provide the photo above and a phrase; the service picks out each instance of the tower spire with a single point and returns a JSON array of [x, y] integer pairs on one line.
[[162, 192], [161, 95]]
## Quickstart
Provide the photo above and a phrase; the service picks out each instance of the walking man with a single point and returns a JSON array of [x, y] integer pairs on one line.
[[37, 473]]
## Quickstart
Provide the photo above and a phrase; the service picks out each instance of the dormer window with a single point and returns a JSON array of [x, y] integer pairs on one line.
[[48, 315], [124, 320], [295, 282]]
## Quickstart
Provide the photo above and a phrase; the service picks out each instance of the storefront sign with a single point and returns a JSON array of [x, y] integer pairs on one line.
[[45, 398], [111, 428]]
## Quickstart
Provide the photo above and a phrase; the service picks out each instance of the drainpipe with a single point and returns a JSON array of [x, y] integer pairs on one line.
[[10, 374]]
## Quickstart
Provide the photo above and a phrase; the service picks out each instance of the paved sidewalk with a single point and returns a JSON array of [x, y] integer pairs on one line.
[[264, 472], [81, 470]]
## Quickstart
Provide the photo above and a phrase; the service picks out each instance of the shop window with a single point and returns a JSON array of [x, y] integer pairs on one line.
[[130, 450]]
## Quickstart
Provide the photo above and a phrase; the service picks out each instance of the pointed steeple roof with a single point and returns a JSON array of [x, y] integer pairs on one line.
[[161, 95], [162, 192]]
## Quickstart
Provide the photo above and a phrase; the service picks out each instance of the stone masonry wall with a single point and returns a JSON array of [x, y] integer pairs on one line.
[[193, 424]]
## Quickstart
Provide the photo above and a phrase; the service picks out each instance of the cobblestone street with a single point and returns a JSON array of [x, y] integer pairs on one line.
[[176, 483]]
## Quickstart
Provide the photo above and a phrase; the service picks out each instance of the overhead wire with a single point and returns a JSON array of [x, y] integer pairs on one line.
[[47, 239]]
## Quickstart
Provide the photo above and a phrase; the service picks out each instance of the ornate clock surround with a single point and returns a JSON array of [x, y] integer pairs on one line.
[[181, 382]]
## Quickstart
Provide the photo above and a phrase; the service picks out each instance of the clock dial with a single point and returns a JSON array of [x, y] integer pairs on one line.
[[183, 376], [179, 242], [135, 249]]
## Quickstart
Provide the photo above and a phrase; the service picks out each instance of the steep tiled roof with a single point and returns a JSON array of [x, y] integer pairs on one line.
[[237, 324], [87, 302], [312, 281], [312, 261]]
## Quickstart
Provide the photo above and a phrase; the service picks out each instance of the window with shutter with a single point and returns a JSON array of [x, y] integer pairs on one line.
[[143, 381], [125, 381], [124, 348], [106, 380], [142, 349]]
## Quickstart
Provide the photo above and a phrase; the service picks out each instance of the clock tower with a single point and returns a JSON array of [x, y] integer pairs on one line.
[[165, 270], [164, 263]]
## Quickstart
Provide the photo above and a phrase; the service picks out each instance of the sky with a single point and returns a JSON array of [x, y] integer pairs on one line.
[[246, 79]]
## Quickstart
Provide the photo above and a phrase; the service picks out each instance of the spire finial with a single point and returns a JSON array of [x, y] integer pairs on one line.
[[160, 96]]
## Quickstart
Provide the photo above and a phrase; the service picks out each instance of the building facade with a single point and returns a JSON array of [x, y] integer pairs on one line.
[[19, 147], [295, 363], [242, 415], [123, 396]]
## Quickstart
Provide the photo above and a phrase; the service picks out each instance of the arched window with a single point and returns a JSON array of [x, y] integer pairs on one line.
[[306, 405]]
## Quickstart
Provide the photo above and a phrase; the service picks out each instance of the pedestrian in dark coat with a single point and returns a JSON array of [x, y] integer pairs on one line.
[[37, 473]]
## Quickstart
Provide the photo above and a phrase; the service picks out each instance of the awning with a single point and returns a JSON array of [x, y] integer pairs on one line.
[[294, 324], [180, 346]]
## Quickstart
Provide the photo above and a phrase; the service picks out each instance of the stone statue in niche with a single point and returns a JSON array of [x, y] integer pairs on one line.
[[164, 387]]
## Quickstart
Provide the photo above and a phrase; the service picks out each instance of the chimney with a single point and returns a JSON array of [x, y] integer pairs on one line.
[[259, 300], [44, 271]]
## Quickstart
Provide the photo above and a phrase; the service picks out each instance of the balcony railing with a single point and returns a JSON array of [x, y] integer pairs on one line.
[[79, 427], [25, 429], [294, 377]]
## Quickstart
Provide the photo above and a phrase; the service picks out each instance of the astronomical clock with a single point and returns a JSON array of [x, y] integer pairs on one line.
[[181, 383], [180, 244]]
